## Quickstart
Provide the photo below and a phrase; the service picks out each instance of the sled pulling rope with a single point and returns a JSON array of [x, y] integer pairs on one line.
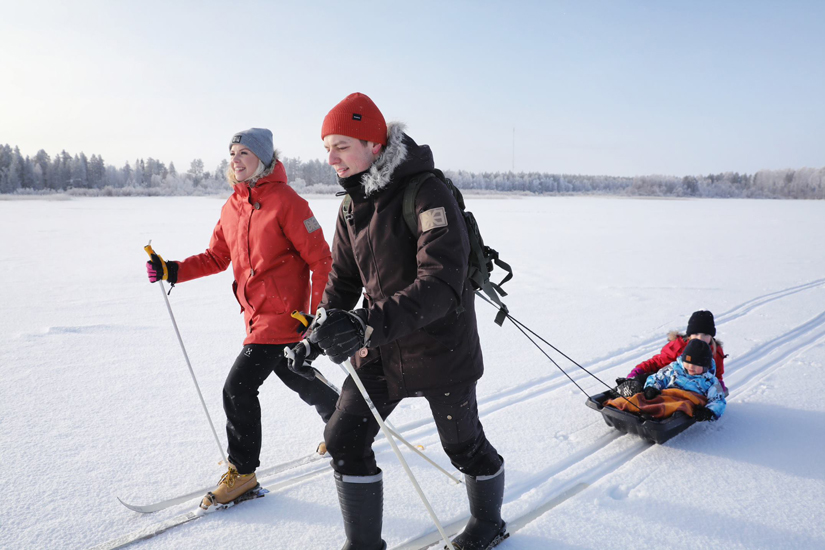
[[524, 329]]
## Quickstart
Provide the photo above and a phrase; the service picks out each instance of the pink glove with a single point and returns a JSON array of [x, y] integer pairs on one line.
[[154, 270], [636, 372]]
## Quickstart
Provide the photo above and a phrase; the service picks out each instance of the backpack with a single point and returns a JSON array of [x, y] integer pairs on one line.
[[482, 257]]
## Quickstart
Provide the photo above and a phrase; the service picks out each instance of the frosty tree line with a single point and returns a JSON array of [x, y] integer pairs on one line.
[[82, 175]]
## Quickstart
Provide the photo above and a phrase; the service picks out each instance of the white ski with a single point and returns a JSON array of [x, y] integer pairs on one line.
[[162, 505]]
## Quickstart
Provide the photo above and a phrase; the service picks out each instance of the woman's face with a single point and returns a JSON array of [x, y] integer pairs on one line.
[[243, 162]]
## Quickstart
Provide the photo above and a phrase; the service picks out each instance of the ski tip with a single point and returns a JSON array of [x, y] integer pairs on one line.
[[131, 507]]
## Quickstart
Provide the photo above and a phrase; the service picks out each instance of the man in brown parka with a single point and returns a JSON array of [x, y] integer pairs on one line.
[[415, 334]]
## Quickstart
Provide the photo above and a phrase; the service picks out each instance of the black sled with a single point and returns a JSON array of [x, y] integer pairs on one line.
[[655, 431]]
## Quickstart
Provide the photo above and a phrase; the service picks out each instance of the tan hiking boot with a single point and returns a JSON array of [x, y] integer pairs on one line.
[[231, 486], [322, 448]]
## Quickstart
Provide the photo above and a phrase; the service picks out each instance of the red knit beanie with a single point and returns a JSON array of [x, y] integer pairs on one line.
[[358, 117]]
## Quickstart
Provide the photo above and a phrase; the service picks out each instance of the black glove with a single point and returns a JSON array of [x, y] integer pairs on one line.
[[299, 359], [651, 392], [627, 387], [155, 270], [340, 333], [703, 414]]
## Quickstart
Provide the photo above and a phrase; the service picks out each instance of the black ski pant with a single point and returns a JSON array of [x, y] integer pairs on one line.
[[352, 429], [243, 410]]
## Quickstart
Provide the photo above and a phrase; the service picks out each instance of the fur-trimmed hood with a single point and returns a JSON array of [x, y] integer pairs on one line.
[[380, 173]]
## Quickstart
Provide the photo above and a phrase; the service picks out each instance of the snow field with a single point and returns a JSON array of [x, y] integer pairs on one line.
[[96, 400]]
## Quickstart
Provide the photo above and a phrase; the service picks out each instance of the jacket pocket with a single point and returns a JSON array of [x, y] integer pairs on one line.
[[271, 300], [235, 294]]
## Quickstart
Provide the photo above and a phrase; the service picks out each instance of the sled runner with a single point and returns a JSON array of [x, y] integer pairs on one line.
[[655, 431]]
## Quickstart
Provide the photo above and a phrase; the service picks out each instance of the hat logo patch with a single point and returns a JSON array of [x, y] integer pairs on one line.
[[356, 116], [687, 358], [236, 139]]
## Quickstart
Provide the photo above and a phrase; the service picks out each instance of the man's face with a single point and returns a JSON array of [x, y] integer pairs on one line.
[[348, 155]]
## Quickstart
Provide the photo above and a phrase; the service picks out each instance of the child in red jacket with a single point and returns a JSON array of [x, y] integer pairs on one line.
[[700, 326]]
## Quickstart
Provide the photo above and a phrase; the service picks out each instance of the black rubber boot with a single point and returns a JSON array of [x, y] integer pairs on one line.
[[486, 528], [362, 502]]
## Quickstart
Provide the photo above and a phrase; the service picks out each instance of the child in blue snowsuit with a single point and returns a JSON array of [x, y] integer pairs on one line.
[[693, 371]]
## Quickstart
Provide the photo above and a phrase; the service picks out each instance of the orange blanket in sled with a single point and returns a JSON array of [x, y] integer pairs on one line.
[[663, 405]]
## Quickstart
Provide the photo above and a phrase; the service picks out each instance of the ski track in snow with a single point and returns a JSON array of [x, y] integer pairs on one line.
[[744, 374], [530, 498]]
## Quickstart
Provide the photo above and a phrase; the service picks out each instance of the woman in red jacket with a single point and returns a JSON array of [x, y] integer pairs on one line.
[[270, 236], [700, 326]]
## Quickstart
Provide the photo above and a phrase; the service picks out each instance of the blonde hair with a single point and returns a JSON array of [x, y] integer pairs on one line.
[[260, 172]]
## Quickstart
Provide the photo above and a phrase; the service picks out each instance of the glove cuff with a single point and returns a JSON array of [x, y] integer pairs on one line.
[[172, 272], [361, 315]]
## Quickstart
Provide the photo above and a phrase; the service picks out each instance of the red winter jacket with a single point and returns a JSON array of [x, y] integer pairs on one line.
[[674, 349], [272, 239]]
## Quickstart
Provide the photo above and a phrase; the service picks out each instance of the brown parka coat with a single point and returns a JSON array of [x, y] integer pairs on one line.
[[419, 303]]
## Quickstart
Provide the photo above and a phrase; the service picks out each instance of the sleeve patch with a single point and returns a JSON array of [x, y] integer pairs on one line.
[[312, 224], [430, 219]]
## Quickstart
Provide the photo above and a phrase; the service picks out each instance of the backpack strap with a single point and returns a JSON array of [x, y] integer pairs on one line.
[[482, 257], [410, 193]]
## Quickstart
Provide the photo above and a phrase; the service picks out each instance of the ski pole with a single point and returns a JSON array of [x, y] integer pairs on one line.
[[388, 435], [148, 249], [412, 447], [302, 318]]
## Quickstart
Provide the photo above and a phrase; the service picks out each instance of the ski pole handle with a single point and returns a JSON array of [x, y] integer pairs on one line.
[[307, 321], [300, 317], [149, 250]]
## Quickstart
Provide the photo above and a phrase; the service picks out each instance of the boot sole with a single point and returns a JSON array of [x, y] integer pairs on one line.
[[503, 534], [256, 492]]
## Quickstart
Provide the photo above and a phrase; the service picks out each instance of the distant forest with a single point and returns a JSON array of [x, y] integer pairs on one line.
[[91, 176]]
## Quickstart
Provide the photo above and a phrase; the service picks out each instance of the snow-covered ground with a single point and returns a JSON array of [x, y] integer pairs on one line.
[[96, 400]]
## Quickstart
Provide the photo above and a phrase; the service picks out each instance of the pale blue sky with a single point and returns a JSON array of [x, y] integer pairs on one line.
[[614, 87]]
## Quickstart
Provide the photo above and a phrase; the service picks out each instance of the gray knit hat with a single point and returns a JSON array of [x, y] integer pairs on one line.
[[259, 141]]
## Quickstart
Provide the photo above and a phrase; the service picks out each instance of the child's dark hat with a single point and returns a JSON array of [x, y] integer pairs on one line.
[[698, 353], [701, 322]]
